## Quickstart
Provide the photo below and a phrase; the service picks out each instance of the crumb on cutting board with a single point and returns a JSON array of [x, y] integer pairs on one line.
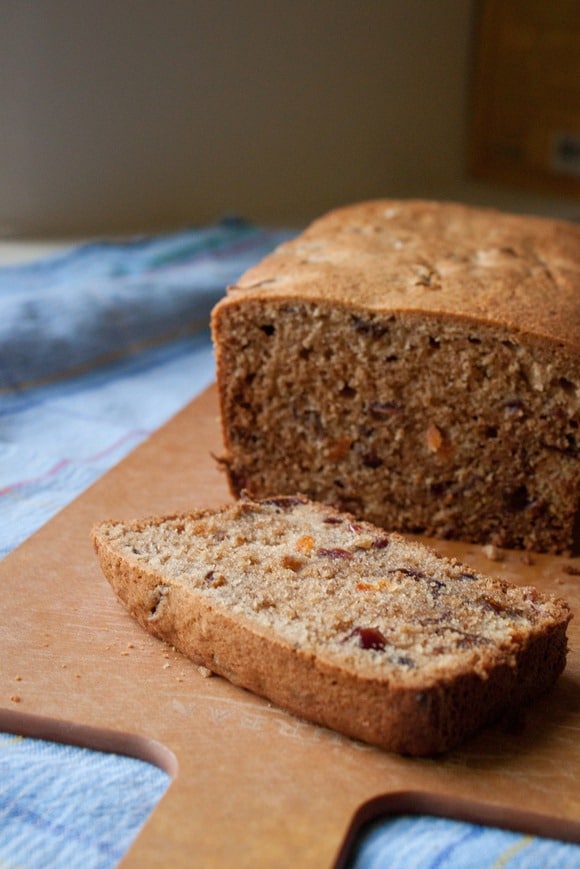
[[493, 552]]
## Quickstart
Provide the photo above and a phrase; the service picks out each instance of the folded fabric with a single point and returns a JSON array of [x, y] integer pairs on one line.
[[66, 312], [57, 438], [62, 806], [425, 842]]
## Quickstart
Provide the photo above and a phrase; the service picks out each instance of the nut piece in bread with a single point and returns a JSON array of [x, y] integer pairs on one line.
[[337, 621], [417, 364]]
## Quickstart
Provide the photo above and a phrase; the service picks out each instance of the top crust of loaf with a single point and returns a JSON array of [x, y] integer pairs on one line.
[[477, 264]]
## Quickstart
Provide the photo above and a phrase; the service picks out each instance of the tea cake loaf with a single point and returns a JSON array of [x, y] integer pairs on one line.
[[337, 621], [416, 363]]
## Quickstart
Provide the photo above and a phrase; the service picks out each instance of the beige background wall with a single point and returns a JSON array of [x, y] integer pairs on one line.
[[130, 115]]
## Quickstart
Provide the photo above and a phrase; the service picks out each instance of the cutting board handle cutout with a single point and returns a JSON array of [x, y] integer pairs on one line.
[[456, 809], [93, 738]]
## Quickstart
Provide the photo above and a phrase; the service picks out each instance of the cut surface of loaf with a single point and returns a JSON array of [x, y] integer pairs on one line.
[[337, 621], [417, 364]]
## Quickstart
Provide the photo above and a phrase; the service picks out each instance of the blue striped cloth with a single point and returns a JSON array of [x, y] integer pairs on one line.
[[86, 337], [66, 806], [441, 843]]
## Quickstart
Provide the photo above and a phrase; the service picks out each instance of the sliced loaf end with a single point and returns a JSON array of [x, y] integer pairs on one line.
[[336, 621]]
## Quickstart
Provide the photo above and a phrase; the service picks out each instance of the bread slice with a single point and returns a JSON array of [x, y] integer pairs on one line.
[[335, 621], [417, 364]]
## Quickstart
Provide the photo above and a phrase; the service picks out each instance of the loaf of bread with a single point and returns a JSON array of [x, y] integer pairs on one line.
[[336, 621], [417, 364]]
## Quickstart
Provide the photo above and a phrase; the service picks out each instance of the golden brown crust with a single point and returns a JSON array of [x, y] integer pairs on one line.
[[416, 363], [478, 264], [408, 712]]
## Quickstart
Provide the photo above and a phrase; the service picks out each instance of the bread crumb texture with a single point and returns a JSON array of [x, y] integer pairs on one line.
[[289, 598], [417, 364]]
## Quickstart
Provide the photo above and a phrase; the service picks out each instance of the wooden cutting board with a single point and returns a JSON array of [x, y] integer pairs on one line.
[[252, 786]]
